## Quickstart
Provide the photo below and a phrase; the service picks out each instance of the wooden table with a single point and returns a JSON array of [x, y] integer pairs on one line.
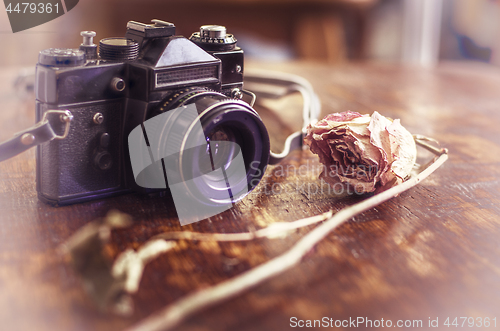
[[432, 252]]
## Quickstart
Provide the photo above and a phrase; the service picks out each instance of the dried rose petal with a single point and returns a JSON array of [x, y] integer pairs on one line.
[[365, 152]]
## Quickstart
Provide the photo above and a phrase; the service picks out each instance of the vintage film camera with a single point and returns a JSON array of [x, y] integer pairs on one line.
[[131, 80]]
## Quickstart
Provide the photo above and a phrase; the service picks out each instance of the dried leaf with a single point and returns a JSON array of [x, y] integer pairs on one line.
[[130, 264], [109, 284]]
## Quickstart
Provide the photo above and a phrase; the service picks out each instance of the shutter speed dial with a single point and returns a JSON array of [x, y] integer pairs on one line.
[[213, 32], [214, 38]]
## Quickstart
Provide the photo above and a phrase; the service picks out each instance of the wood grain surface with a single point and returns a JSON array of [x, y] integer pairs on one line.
[[433, 251]]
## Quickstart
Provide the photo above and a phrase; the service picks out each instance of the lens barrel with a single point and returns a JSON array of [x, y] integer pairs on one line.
[[225, 160], [209, 150]]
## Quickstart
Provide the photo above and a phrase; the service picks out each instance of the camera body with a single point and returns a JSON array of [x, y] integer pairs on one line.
[[131, 80]]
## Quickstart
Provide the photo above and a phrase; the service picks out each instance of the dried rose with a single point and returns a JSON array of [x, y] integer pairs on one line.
[[365, 152]]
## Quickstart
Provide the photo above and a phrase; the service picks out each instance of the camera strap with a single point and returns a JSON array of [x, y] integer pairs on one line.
[[38, 134], [290, 84]]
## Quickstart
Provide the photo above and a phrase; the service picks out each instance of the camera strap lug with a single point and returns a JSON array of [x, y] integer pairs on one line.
[[38, 134], [252, 96]]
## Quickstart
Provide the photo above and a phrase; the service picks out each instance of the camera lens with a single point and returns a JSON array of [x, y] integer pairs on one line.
[[221, 147], [209, 149]]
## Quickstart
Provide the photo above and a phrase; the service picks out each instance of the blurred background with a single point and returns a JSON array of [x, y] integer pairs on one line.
[[420, 32]]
